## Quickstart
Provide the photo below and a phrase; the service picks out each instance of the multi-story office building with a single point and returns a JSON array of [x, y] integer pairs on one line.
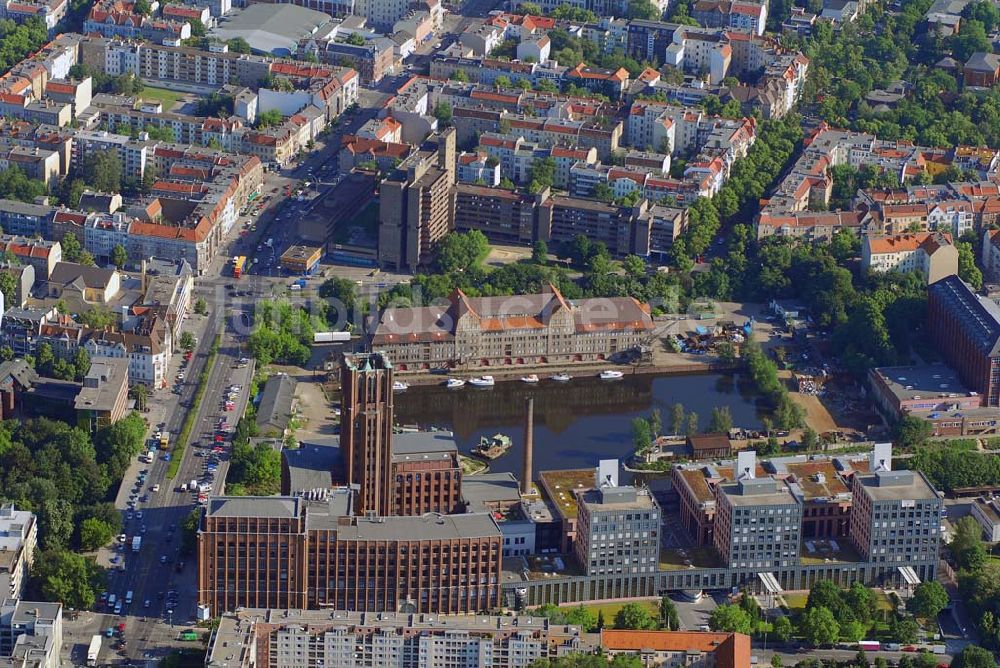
[[417, 205], [965, 327], [758, 521], [366, 429], [516, 330], [896, 519], [103, 399], [18, 539], [618, 531], [286, 552]]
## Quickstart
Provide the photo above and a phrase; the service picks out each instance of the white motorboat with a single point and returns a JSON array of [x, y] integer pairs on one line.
[[611, 374], [400, 386], [561, 377], [483, 381], [455, 383], [529, 379]]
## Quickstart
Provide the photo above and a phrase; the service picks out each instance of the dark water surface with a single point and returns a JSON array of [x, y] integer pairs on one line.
[[576, 423]]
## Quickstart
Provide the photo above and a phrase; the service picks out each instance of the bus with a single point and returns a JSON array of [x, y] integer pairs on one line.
[[239, 262], [164, 441], [869, 645], [189, 635]]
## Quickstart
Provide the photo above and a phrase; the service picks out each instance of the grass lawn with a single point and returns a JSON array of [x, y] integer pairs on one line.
[[169, 98], [611, 609], [882, 602], [796, 600]]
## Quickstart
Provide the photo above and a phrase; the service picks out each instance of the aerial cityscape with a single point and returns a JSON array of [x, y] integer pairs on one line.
[[500, 333]]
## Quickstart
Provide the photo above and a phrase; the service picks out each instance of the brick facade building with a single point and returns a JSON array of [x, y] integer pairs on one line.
[[505, 331], [966, 330], [287, 552]]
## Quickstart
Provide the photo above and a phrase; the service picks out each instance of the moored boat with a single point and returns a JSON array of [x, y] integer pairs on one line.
[[483, 381], [454, 383], [561, 377], [611, 374], [529, 379], [491, 447], [400, 386]]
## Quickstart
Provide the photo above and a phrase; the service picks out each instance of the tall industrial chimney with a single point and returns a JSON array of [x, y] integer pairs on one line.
[[529, 429]]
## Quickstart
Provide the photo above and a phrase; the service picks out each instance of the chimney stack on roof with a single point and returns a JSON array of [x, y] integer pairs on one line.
[[529, 428]]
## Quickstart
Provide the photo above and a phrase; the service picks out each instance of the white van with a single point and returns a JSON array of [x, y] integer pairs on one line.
[[128, 597]]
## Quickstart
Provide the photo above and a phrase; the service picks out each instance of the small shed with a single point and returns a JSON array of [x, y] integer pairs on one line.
[[709, 446]]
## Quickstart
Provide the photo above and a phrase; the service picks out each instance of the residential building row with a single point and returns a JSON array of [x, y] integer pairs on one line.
[[797, 207], [39, 90], [194, 202], [119, 18], [339, 638], [146, 341], [49, 12]]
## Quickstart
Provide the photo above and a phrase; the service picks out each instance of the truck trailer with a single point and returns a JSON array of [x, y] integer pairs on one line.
[[94, 650]]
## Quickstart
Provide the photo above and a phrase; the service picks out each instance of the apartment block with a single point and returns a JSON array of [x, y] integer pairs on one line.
[[477, 168], [504, 216], [25, 220], [417, 204], [300, 638], [748, 16], [18, 540], [31, 633], [40, 254], [930, 254]]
